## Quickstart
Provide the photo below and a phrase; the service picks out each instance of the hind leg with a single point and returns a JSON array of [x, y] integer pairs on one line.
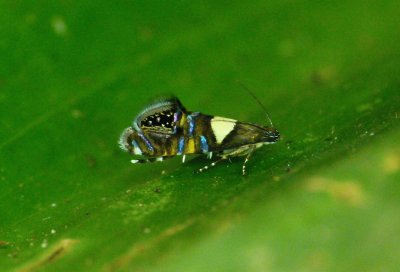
[[211, 164], [156, 159]]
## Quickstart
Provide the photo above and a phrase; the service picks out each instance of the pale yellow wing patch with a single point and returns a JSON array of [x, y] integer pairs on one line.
[[221, 127]]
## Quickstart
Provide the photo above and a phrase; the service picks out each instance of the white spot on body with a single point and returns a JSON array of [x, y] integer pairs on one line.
[[183, 158], [134, 161], [221, 127]]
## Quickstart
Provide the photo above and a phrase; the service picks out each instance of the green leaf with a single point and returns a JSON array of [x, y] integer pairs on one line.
[[74, 74]]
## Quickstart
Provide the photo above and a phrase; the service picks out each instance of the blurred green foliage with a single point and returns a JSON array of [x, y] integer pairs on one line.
[[73, 74]]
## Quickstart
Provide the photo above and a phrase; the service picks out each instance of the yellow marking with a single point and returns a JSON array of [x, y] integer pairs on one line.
[[182, 121], [190, 146]]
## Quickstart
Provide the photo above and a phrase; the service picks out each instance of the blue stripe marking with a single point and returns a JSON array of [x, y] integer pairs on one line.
[[181, 145], [148, 144], [192, 123], [203, 144]]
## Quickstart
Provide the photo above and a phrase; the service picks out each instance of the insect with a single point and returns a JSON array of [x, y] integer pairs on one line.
[[166, 129]]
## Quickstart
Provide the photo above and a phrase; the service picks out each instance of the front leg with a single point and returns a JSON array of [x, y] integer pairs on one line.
[[246, 160]]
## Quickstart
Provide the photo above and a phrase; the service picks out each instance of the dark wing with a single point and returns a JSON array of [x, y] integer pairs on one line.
[[160, 116]]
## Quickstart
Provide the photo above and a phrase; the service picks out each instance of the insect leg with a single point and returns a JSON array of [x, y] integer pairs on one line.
[[211, 164], [156, 159], [246, 160], [141, 161]]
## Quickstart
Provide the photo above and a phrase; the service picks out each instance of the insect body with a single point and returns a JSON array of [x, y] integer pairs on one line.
[[166, 129]]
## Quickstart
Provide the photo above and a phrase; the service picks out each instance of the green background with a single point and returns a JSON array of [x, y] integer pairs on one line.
[[73, 74]]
